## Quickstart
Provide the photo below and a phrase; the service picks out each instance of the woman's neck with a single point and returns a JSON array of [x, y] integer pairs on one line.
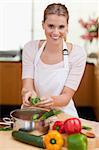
[[54, 48]]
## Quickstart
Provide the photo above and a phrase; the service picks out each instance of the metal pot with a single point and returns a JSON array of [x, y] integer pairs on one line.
[[21, 119]]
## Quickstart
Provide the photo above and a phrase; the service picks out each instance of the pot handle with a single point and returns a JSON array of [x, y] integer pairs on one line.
[[8, 120]]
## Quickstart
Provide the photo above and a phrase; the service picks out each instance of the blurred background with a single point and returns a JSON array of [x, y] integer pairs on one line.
[[20, 22]]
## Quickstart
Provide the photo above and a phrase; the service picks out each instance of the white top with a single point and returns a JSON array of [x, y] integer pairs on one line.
[[49, 80], [77, 62]]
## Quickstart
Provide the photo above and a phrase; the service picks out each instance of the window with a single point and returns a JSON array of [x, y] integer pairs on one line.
[[15, 23]]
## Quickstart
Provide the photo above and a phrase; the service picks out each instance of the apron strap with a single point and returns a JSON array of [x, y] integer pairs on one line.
[[65, 55], [39, 53]]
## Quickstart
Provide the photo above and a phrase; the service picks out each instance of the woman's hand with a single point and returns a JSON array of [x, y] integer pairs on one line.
[[45, 103], [26, 95]]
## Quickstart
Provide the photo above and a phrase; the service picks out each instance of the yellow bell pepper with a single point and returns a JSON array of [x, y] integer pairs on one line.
[[53, 140]]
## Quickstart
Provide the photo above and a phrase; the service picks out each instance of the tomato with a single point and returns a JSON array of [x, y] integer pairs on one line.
[[72, 125]]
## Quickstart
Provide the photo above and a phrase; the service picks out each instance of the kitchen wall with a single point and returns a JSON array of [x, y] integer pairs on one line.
[[21, 20], [15, 23]]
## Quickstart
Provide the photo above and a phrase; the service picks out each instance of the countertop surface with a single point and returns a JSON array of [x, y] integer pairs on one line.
[[8, 143], [11, 56]]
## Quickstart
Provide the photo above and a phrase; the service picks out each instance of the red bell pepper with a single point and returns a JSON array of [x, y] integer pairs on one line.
[[59, 126], [72, 125]]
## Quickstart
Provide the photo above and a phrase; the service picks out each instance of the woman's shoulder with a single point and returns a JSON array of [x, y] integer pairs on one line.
[[31, 44], [75, 49], [30, 48], [77, 54], [34, 44]]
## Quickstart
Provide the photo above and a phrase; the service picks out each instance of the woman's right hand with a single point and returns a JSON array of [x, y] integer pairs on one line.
[[26, 95]]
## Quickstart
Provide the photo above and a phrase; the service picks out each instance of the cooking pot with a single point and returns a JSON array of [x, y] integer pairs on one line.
[[21, 119]]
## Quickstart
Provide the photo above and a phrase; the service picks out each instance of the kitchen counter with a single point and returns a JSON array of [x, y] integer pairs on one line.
[[8, 143], [11, 55], [92, 61]]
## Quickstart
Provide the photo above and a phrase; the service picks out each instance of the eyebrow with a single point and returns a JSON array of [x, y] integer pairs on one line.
[[62, 25]]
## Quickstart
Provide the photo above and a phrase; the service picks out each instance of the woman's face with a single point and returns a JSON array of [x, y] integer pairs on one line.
[[55, 28]]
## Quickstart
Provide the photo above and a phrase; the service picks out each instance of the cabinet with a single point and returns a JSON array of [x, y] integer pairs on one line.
[[96, 92], [84, 96], [88, 91], [10, 83]]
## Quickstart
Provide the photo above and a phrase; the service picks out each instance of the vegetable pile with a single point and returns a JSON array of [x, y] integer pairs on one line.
[[54, 139], [72, 127]]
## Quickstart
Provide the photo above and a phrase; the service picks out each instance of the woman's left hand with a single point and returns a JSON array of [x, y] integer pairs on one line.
[[46, 103]]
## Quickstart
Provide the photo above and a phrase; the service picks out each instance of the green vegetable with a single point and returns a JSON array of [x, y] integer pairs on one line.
[[5, 129], [86, 128], [28, 138], [50, 113], [45, 115], [77, 142], [35, 116], [35, 100]]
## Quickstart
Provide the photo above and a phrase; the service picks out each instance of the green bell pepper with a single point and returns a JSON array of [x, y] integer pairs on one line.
[[77, 142]]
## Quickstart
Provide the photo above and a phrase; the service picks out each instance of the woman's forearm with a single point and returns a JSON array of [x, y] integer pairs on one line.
[[28, 86], [64, 98], [61, 100]]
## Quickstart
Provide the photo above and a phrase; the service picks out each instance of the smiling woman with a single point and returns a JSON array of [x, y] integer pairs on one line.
[[52, 69]]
